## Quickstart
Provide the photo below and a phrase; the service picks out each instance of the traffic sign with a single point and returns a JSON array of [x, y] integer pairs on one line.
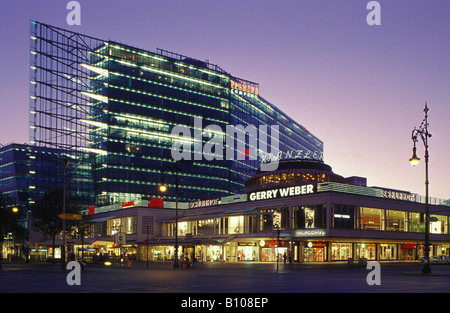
[[70, 216], [425, 260], [120, 238]]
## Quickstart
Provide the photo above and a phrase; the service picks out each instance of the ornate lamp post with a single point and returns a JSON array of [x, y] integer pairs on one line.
[[422, 131]]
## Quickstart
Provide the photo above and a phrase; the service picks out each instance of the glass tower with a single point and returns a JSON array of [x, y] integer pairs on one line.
[[119, 104]]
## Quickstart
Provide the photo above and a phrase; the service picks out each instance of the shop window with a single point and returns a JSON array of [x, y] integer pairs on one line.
[[272, 219], [415, 224], [395, 220], [366, 251], [309, 217], [236, 225], [372, 219], [207, 227], [247, 252], [315, 252], [341, 251], [408, 252], [343, 216], [388, 252], [439, 226]]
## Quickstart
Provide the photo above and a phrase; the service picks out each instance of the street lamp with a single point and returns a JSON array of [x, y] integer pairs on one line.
[[414, 160], [163, 188]]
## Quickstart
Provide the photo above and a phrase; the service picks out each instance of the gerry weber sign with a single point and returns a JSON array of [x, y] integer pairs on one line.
[[281, 192]]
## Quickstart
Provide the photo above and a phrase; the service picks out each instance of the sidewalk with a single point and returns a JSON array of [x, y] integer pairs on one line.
[[143, 265]]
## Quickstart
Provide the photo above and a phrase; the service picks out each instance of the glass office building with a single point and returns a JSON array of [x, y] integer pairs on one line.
[[27, 172], [120, 104]]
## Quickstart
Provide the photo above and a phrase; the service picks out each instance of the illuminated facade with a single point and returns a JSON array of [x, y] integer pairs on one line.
[[120, 103], [309, 221], [27, 172]]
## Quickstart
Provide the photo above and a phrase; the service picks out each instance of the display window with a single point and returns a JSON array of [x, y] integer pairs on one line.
[[388, 252], [415, 224], [309, 217], [395, 220], [214, 253], [315, 252], [271, 254], [341, 251], [372, 219], [236, 225], [366, 251], [247, 252], [440, 225], [442, 249], [344, 216], [408, 252]]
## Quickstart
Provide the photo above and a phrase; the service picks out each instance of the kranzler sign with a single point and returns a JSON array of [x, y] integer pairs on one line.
[[281, 192]]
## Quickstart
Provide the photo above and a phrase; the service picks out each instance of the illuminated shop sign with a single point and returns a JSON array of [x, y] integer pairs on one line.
[[310, 233], [281, 192], [390, 194], [245, 86], [203, 203], [291, 155], [156, 203], [128, 204]]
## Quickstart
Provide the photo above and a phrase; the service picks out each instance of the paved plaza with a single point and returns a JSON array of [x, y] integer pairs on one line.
[[252, 278]]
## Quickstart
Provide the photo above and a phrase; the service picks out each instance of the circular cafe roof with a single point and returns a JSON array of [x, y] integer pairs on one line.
[[293, 172]]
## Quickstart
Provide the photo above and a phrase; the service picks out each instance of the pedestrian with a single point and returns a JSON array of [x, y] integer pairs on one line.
[[194, 262], [182, 259], [285, 257]]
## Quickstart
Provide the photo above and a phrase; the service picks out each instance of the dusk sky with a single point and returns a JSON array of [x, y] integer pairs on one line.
[[361, 89]]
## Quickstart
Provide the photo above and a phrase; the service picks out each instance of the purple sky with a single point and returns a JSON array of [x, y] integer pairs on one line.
[[361, 89]]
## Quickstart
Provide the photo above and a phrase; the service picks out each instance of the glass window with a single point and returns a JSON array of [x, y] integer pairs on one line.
[[207, 227], [388, 252], [343, 216], [439, 226], [309, 217], [126, 225], [366, 251], [236, 225], [341, 251], [415, 225], [372, 219], [395, 220], [271, 218]]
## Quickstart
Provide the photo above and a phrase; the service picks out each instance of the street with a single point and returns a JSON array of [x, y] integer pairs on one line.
[[224, 278]]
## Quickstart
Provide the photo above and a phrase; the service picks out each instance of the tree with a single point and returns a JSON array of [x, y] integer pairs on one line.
[[9, 222], [46, 211]]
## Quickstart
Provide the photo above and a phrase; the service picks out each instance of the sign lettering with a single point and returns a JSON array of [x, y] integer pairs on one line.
[[281, 192]]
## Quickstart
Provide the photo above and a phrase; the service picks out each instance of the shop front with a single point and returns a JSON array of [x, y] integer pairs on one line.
[[315, 251], [366, 251], [248, 251]]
